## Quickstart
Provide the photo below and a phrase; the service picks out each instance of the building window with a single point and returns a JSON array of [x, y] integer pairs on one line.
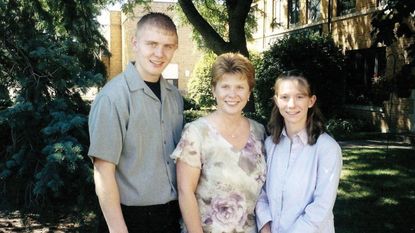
[[277, 20], [345, 7], [171, 74], [367, 82], [313, 10], [294, 12]]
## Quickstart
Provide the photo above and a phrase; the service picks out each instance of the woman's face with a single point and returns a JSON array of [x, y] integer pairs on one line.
[[293, 103], [231, 93]]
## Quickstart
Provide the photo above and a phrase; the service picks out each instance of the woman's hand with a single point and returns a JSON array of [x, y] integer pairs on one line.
[[266, 228]]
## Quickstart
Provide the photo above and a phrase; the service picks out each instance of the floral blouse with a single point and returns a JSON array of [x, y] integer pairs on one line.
[[230, 179]]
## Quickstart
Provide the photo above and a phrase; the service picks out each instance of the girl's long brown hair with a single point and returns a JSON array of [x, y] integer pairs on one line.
[[315, 120]]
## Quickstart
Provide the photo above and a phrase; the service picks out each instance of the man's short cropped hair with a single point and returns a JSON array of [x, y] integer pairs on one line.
[[157, 19]]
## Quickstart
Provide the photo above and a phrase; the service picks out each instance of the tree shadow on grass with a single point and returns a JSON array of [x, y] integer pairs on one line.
[[57, 220], [376, 191]]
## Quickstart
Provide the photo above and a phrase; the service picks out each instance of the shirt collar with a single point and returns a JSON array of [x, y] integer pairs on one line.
[[302, 135], [135, 82]]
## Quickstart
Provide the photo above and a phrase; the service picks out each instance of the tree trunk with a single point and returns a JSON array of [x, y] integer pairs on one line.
[[237, 12]]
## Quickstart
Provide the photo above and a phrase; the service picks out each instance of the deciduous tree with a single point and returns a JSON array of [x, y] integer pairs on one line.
[[396, 21]]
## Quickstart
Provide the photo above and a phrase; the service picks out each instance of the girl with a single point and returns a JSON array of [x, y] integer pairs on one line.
[[303, 163]]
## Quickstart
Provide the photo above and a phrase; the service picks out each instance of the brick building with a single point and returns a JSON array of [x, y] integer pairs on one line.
[[348, 21]]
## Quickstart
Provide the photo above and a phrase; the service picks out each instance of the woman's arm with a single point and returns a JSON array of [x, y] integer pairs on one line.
[[266, 228], [187, 180]]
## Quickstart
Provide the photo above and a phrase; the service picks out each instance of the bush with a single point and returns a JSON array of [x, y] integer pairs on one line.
[[319, 59], [339, 127], [347, 127], [191, 115], [190, 104], [199, 86]]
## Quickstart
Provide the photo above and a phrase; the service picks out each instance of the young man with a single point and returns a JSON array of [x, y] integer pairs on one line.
[[135, 123]]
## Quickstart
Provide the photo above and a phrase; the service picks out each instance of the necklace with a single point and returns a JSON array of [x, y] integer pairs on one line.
[[223, 126], [234, 132]]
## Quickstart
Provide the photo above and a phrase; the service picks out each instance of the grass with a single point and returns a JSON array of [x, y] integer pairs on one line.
[[376, 191]]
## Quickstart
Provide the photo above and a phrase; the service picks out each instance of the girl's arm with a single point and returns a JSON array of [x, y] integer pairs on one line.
[[321, 208]]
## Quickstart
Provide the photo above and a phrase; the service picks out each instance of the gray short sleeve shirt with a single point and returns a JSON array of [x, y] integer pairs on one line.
[[130, 127]]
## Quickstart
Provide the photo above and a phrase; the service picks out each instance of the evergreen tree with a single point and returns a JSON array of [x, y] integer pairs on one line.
[[49, 56]]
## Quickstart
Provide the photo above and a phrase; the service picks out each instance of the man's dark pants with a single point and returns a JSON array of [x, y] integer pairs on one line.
[[148, 219]]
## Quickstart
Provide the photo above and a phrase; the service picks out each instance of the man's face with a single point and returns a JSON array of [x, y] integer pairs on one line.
[[153, 49]]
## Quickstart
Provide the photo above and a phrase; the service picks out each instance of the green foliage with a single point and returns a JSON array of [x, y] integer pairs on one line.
[[49, 57], [348, 127], [319, 59], [216, 14], [199, 86], [190, 104], [395, 21], [339, 127], [191, 115], [5, 100]]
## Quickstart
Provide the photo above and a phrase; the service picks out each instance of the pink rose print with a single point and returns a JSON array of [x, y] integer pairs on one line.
[[228, 212], [249, 157]]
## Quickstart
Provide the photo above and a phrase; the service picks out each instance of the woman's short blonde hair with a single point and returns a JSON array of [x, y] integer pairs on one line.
[[231, 63]]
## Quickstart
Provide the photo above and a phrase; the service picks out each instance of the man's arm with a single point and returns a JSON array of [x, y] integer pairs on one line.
[[108, 195]]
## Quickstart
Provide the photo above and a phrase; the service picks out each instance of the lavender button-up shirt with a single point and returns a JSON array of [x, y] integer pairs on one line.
[[301, 185]]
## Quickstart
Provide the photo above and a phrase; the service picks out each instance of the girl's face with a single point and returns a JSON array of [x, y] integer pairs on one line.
[[231, 93], [293, 103]]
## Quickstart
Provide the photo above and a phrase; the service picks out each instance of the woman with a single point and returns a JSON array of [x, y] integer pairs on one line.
[[220, 160], [303, 163]]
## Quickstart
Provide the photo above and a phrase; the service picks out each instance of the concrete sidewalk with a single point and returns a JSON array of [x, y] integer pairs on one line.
[[377, 143]]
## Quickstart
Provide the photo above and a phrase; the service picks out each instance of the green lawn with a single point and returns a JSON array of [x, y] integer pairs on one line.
[[376, 192]]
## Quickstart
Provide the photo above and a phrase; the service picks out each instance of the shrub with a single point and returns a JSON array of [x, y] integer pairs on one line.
[[339, 127], [190, 104], [348, 127], [191, 115], [319, 59], [199, 83]]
